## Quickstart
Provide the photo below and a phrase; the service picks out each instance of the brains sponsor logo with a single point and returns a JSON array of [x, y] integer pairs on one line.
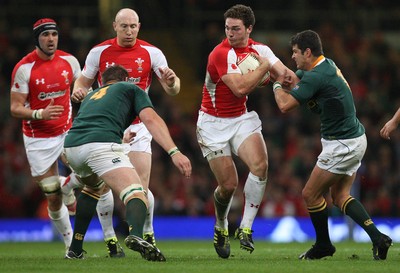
[[51, 95]]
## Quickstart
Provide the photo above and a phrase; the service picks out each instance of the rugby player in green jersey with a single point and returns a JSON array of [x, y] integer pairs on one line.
[[93, 149], [325, 91]]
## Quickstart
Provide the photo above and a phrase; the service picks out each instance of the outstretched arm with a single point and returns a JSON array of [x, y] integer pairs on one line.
[[285, 101], [159, 130]]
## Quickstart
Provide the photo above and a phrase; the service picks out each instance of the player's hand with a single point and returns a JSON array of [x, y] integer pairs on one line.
[[282, 78], [264, 62], [168, 76], [389, 127], [78, 95], [183, 164], [129, 136], [52, 111]]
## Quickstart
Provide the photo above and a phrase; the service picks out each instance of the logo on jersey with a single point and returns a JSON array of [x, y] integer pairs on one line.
[[109, 64], [51, 95], [139, 62], [133, 80], [65, 75], [234, 67], [41, 81]]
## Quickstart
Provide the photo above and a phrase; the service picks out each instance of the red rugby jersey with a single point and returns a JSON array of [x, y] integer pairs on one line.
[[44, 80]]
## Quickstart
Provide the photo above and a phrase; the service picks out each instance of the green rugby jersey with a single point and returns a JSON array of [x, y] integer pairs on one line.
[[327, 93], [106, 112]]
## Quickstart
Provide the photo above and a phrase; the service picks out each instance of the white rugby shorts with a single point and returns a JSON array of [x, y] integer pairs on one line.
[[43, 152], [215, 133], [342, 156], [142, 140], [96, 157]]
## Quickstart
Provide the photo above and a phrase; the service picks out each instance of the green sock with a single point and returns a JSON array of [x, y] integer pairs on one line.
[[319, 219], [356, 211], [136, 212], [85, 209]]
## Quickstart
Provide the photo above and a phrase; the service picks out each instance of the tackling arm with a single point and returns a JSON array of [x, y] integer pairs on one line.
[[285, 101]]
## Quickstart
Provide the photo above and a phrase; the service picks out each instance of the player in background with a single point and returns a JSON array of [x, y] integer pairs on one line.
[[141, 59], [40, 96], [93, 149], [225, 126], [326, 93]]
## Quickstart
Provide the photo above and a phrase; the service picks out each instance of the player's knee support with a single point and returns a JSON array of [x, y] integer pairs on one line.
[[50, 185], [131, 191]]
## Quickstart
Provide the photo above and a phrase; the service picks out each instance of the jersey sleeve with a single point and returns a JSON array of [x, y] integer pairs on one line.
[[20, 78], [225, 62], [305, 89], [266, 52], [92, 63], [142, 100], [158, 59], [75, 66]]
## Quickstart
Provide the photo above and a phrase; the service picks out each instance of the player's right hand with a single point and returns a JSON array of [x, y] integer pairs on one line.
[[183, 164], [78, 95], [52, 111]]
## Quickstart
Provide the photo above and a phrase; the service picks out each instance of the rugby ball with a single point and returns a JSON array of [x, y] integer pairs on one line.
[[249, 62]]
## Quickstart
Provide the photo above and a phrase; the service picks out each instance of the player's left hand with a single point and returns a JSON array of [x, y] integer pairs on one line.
[[129, 136], [167, 75]]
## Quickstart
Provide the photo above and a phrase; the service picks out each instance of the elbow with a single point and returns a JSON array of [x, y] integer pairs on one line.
[[241, 92], [13, 112], [284, 108]]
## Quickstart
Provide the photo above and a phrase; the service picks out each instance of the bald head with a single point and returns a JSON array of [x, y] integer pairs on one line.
[[125, 13], [126, 26]]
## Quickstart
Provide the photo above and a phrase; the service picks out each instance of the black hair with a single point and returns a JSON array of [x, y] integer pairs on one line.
[[308, 39], [114, 73], [243, 13]]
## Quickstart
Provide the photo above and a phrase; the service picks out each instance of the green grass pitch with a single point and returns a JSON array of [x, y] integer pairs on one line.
[[195, 257]]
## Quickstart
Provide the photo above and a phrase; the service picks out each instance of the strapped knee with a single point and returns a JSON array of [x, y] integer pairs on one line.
[[131, 191], [222, 152], [50, 185]]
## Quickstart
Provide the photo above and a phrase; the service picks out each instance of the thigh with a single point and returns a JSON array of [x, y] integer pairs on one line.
[[224, 170], [318, 185], [253, 152], [119, 179], [141, 161]]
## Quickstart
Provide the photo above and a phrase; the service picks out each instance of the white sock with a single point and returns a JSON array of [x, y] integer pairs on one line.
[[62, 223], [148, 223], [254, 189], [105, 209]]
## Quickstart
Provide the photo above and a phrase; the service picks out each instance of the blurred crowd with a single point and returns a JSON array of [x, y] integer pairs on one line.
[[370, 64]]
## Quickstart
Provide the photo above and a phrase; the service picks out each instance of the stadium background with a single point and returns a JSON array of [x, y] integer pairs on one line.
[[361, 36]]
